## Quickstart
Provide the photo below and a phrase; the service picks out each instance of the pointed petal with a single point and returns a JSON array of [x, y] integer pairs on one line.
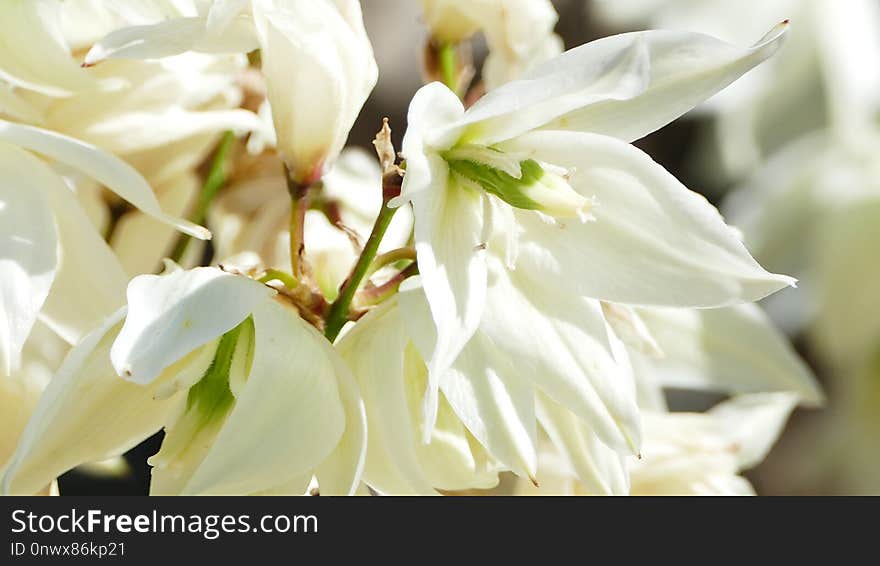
[[450, 248], [600, 469], [171, 315], [87, 413], [291, 402], [108, 169], [615, 68], [685, 69], [754, 423], [28, 248], [731, 350], [653, 242], [495, 405], [561, 344]]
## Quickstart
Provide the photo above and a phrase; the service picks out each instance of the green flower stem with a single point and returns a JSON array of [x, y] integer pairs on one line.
[[339, 310], [448, 65], [213, 183]]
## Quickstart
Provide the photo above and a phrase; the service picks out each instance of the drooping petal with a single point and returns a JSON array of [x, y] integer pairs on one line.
[[86, 414], [732, 350], [291, 402], [483, 388], [561, 344], [450, 248], [601, 470], [678, 250], [28, 248], [108, 169], [495, 405], [171, 315], [393, 380]]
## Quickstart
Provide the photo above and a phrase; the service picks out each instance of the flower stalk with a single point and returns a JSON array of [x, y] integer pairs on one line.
[[340, 308]]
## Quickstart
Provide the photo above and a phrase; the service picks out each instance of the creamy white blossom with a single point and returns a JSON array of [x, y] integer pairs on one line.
[[218, 362], [685, 453], [538, 176], [315, 55], [49, 243]]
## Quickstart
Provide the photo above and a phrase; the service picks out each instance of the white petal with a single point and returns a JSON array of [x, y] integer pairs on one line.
[[600, 469], [753, 423], [452, 265], [731, 350], [495, 405], [173, 37], [290, 402], [615, 68], [561, 344], [50, 69], [86, 414], [433, 107], [28, 236], [653, 242], [374, 349], [171, 315], [90, 283], [108, 169], [486, 393], [340, 472], [685, 69]]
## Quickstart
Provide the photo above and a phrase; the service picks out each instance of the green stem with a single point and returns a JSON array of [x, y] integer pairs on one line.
[[338, 313], [448, 65], [213, 183], [388, 258]]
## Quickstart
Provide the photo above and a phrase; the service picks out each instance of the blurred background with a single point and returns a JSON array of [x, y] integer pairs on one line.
[[790, 154]]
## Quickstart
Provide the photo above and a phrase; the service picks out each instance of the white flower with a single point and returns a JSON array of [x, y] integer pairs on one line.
[[686, 453], [219, 362], [559, 377], [315, 55], [539, 176], [53, 261]]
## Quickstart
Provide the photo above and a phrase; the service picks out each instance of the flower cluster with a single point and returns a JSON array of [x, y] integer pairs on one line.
[[512, 292]]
